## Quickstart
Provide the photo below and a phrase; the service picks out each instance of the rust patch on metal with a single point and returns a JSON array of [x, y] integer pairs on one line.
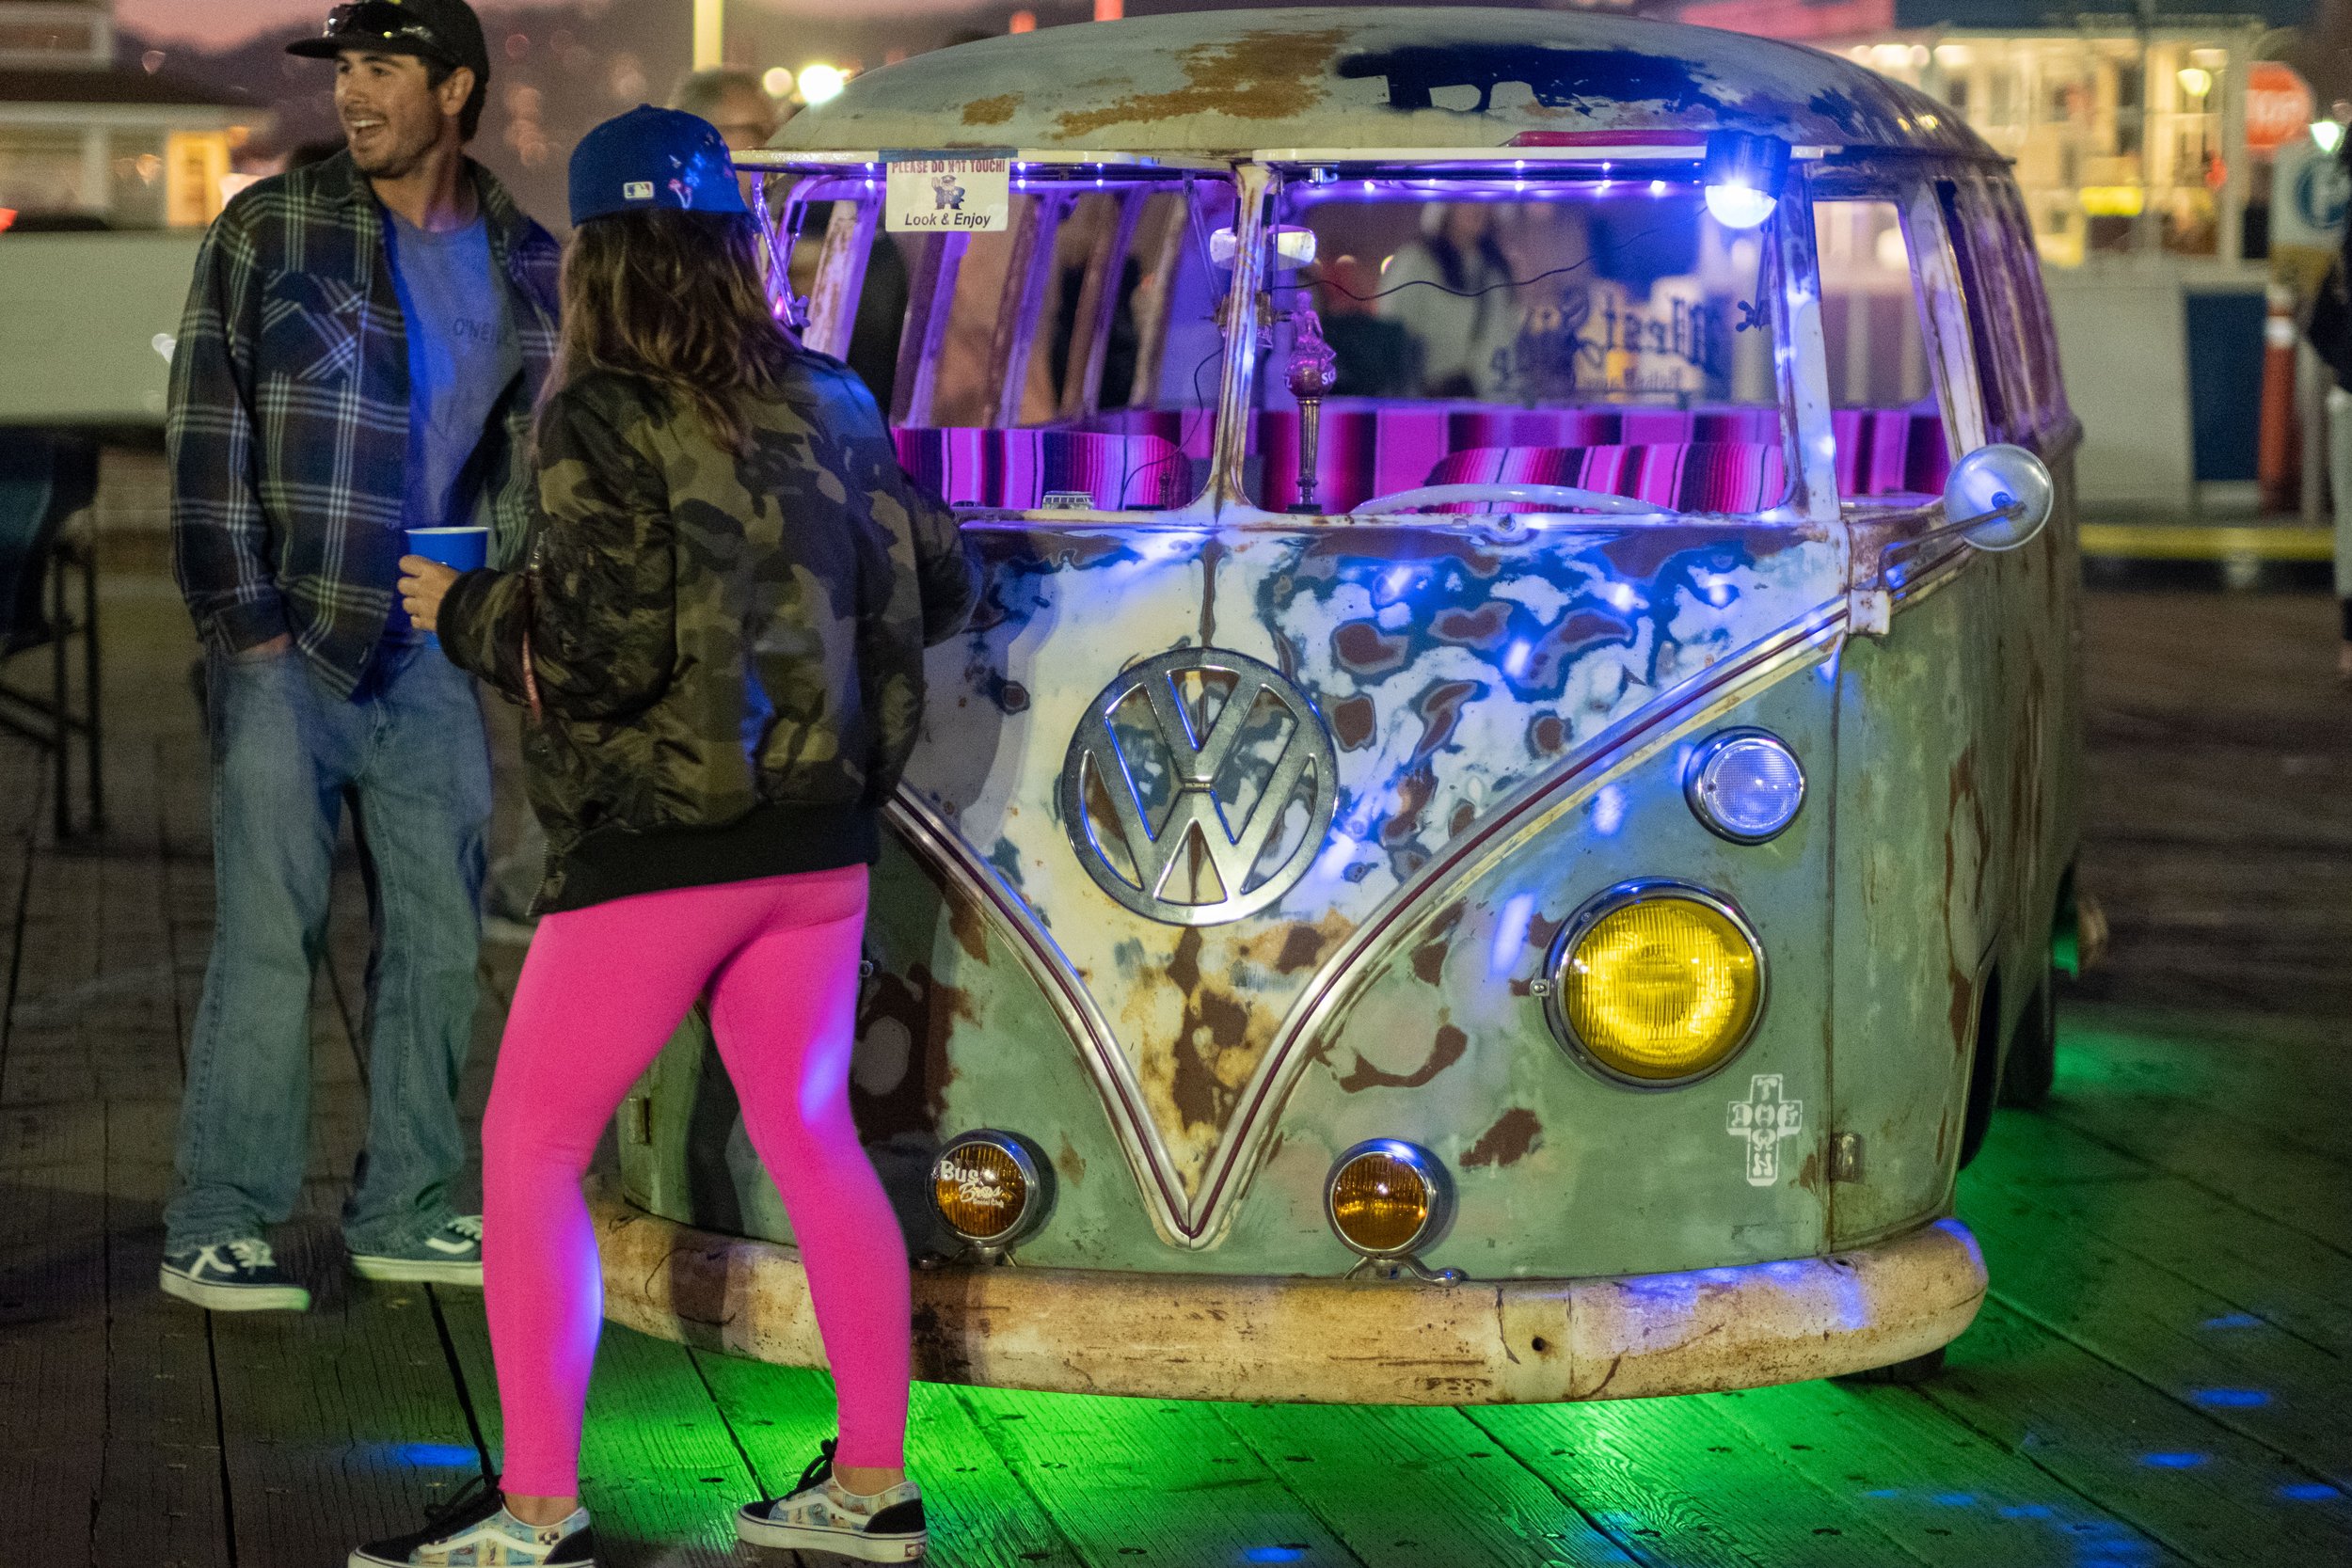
[[1809, 1174], [1547, 735], [1301, 947], [1508, 1141], [1431, 954], [1069, 1163], [991, 111], [1482, 627], [1441, 709], [969, 926], [928, 1013], [1263, 75], [1464, 815], [1363, 649], [1353, 722], [1448, 1048]]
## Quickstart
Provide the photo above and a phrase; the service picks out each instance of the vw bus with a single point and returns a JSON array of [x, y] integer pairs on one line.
[[1512, 782]]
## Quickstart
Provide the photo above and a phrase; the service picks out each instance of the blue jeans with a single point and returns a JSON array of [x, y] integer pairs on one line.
[[285, 750]]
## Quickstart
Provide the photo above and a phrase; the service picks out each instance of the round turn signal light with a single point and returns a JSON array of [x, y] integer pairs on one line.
[[1387, 1198], [988, 1188]]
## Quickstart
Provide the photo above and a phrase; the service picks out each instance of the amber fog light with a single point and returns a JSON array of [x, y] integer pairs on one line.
[[1387, 1198], [989, 1189], [1655, 983]]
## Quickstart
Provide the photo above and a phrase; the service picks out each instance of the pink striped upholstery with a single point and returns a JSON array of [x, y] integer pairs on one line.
[[1687, 476], [1371, 447], [1890, 452], [1018, 469]]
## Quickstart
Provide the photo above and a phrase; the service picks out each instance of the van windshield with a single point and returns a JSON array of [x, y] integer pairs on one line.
[[1603, 334]]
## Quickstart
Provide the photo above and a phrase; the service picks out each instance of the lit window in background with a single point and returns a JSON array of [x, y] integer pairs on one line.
[[1022, 22], [1109, 10]]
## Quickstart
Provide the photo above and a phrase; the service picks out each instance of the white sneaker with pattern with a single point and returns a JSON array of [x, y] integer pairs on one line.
[[819, 1515]]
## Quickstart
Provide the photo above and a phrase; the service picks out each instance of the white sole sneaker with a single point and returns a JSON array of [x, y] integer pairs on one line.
[[416, 1271], [755, 1529], [235, 1298]]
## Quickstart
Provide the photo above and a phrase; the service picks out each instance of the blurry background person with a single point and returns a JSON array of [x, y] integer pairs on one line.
[[1450, 289], [720, 634], [734, 101], [293, 477]]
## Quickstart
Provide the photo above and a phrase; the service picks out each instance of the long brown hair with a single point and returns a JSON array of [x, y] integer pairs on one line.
[[675, 298]]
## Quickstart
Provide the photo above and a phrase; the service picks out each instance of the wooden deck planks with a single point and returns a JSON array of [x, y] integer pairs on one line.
[[1679, 1486], [1948, 1493], [1160, 1479], [1370, 1472], [2169, 1471]]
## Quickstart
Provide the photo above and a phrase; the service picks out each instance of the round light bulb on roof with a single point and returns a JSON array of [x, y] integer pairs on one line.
[[1737, 206], [822, 84]]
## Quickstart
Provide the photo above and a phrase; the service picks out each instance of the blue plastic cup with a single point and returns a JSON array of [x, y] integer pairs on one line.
[[461, 549]]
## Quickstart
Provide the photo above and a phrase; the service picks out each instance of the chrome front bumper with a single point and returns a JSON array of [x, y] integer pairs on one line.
[[1220, 1336]]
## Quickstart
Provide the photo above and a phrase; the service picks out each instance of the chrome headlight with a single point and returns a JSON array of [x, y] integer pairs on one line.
[[1388, 1199], [1745, 785], [990, 1189], [1655, 983]]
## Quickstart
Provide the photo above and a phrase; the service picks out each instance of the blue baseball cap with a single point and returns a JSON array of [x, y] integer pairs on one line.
[[652, 158]]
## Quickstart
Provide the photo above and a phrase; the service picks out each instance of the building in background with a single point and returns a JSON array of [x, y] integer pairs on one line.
[[2144, 138], [85, 142], [2131, 126]]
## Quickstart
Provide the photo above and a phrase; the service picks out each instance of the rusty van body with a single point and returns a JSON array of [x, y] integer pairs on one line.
[[1492, 832]]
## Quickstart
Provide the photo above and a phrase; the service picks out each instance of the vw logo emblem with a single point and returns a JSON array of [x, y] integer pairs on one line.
[[1199, 787]]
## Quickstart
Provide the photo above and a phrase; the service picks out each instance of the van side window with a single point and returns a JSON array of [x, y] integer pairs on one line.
[[1890, 432], [2008, 318]]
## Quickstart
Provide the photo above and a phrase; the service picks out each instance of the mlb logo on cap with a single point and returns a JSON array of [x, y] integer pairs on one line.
[[654, 159]]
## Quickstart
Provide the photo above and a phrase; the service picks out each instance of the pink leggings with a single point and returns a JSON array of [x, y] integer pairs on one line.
[[601, 990]]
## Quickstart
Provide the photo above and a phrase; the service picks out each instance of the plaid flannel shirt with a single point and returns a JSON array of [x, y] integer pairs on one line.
[[289, 417]]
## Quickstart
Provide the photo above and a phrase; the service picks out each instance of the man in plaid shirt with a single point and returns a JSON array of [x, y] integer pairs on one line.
[[362, 353]]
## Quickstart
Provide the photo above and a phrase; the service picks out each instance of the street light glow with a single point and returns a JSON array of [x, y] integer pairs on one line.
[[778, 81], [2327, 135], [822, 84]]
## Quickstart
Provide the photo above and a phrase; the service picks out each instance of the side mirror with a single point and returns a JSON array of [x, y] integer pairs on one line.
[[1998, 498]]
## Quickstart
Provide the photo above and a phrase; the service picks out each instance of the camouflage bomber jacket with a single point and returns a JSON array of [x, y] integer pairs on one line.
[[728, 652]]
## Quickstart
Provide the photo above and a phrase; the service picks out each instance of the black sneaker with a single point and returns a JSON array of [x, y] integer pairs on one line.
[[232, 1276], [475, 1527], [818, 1516]]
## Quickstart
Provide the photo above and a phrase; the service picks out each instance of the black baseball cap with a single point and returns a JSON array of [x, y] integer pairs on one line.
[[443, 30]]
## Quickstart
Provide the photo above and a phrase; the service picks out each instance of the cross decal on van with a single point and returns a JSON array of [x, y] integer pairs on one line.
[[1763, 1119]]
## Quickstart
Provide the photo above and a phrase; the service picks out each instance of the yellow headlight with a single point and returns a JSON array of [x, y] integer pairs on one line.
[[1386, 1197], [984, 1187], [1663, 986]]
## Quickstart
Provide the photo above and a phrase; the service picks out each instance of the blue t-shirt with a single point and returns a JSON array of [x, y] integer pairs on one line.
[[463, 352]]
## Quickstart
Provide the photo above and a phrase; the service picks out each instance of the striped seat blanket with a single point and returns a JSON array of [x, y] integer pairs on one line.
[[1150, 459]]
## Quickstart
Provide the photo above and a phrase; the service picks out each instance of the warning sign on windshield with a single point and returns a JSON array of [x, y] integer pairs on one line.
[[971, 196]]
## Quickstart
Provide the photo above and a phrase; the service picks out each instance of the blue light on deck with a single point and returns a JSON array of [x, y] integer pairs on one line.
[[2230, 1399], [2026, 1511], [2234, 1320], [450, 1456], [1957, 1500], [1273, 1554], [2173, 1461], [2309, 1492]]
